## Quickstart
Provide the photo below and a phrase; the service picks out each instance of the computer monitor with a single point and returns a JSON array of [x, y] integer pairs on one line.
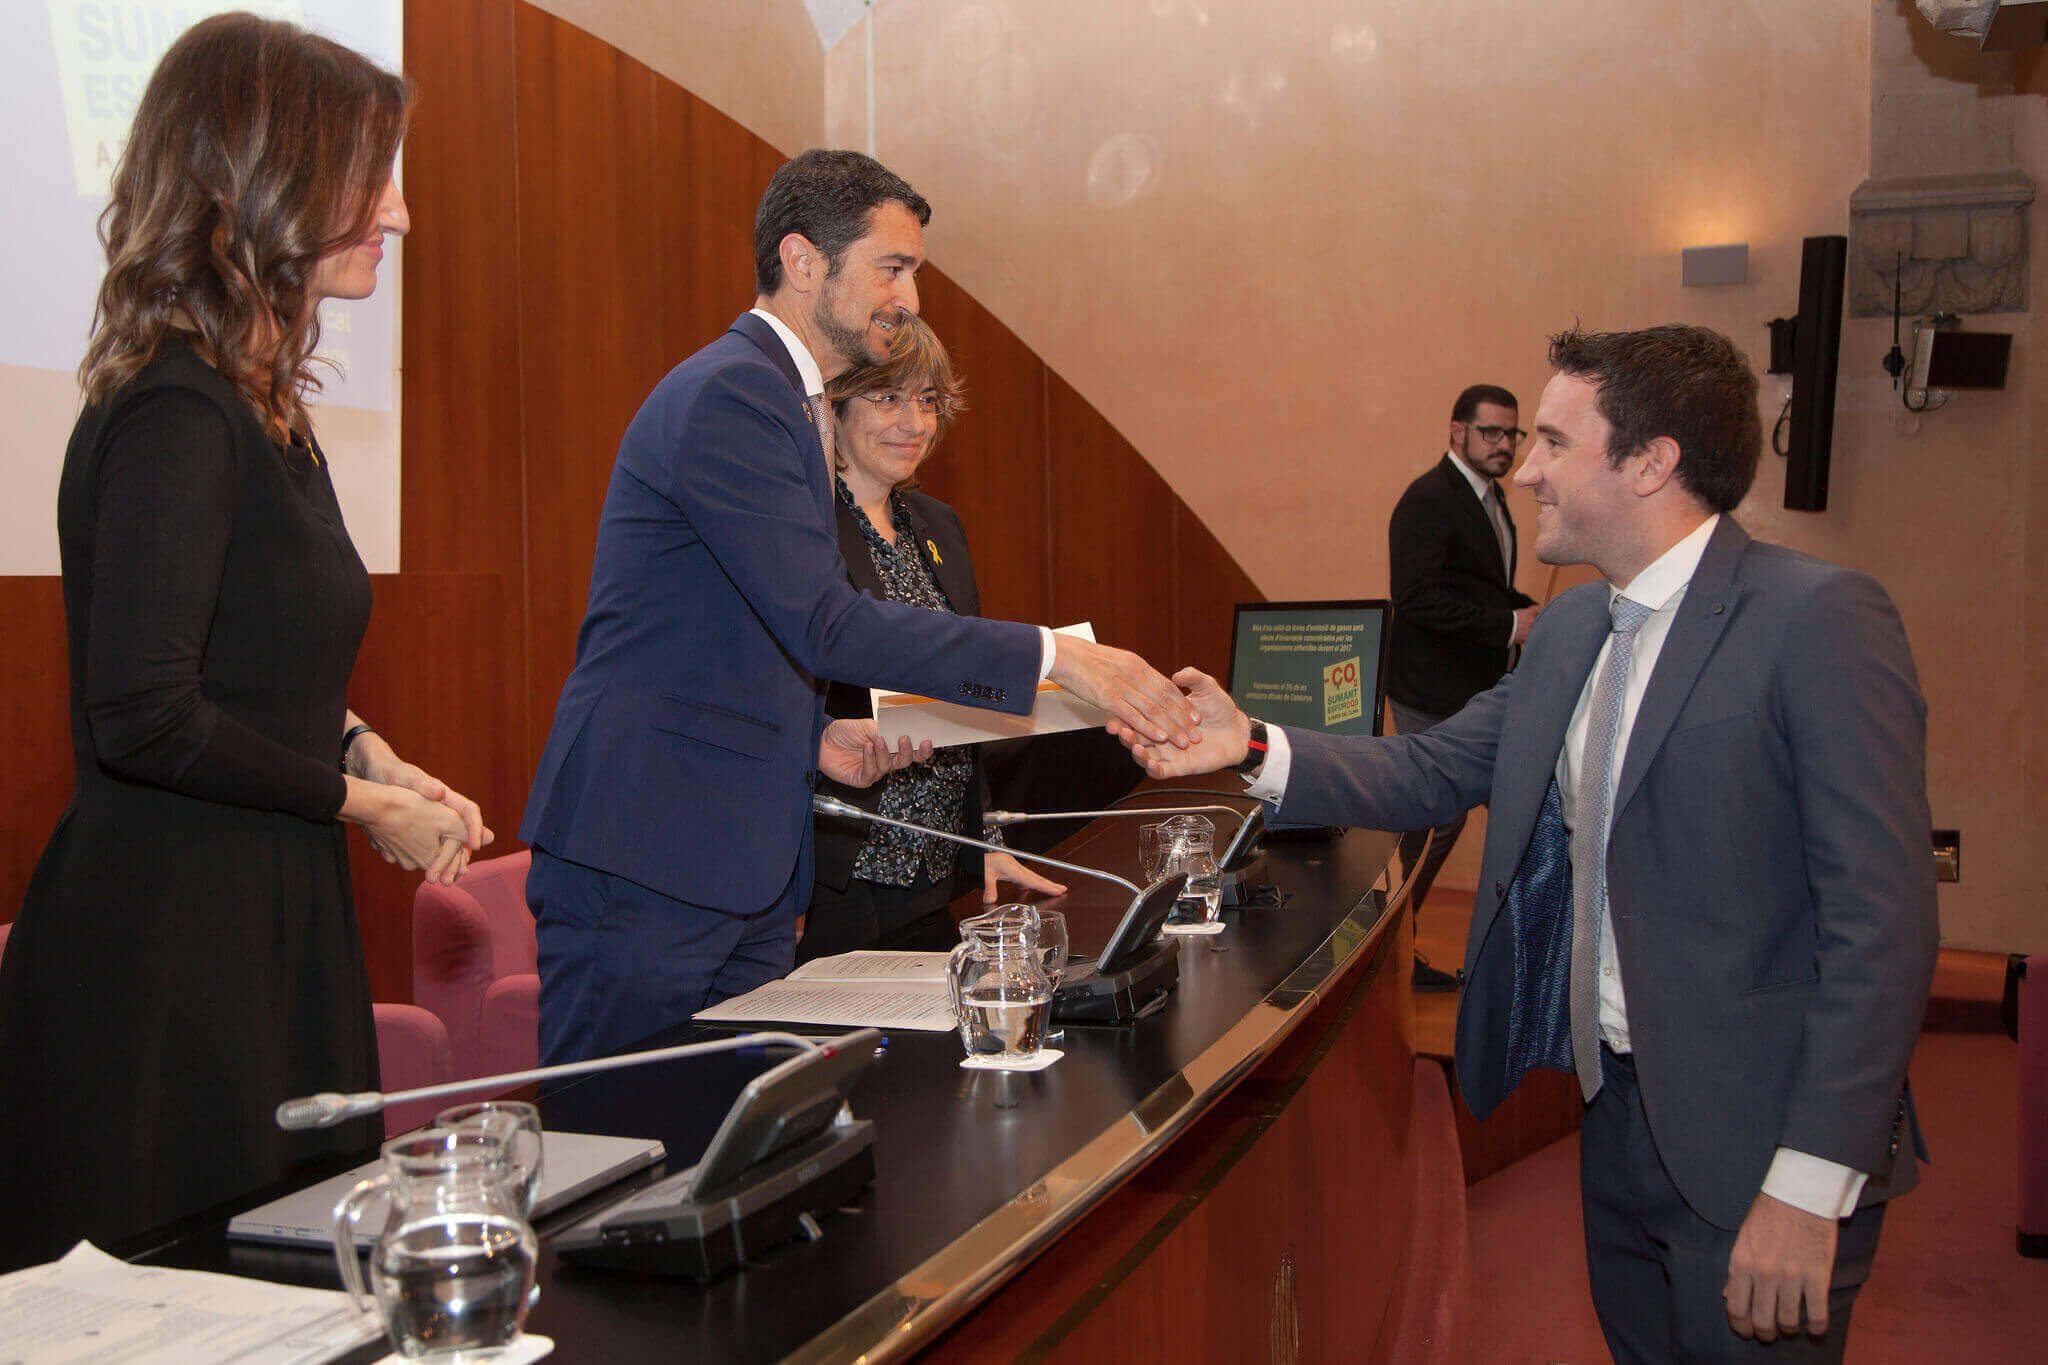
[[1312, 665]]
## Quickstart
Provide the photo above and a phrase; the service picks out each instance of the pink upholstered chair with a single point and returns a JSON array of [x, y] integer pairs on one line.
[[473, 964], [412, 1051]]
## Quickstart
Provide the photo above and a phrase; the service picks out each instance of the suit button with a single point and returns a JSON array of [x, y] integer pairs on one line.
[[1499, 890]]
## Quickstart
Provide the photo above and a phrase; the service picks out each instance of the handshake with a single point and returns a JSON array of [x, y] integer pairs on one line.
[[1173, 727]]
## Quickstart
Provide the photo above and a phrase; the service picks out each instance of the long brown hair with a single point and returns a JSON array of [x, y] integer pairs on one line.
[[257, 149]]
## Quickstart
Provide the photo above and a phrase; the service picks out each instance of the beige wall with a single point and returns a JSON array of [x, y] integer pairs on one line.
[[757, 61], [1272, 242]]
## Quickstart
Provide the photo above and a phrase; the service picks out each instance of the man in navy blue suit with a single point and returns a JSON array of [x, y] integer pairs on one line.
[[1706, 887], [670, 818]]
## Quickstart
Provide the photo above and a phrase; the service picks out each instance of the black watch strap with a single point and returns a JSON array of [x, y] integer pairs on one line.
[[1254, 752]]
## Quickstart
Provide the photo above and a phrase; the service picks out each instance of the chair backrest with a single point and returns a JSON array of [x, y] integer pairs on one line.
[[466, 936], [5, 930], [412, 1051]]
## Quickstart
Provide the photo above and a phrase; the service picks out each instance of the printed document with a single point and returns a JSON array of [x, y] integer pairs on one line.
[[89, 1308]]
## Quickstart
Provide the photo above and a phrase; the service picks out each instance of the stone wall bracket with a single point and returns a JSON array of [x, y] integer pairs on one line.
[[1939, 244]]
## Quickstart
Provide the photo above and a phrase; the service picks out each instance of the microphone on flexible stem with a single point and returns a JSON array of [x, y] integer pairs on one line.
[[329, 1107], [1131, 976], [832, 805], [1236, 858]]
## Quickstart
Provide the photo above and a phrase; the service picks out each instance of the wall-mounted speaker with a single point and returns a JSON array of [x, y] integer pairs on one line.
[[1817, 352]]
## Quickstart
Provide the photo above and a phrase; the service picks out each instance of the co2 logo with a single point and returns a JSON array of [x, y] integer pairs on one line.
[[1341, 675]]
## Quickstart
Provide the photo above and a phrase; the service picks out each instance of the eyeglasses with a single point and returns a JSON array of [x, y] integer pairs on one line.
[[1493, 435], [889, 402]]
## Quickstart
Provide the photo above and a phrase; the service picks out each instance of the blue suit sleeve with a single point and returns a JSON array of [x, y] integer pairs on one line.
[[743, 484]]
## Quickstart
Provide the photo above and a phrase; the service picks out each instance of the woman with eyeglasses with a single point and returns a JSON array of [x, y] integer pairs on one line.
[[187, 954], [878, 886]]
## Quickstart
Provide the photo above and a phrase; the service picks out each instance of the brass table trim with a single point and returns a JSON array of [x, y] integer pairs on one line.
[[937, 1293]]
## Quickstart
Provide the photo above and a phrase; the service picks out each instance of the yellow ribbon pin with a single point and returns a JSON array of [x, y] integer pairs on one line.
[[937, 558]]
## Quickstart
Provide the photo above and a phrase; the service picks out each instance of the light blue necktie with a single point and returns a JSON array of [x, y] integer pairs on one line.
[[1589, 839]]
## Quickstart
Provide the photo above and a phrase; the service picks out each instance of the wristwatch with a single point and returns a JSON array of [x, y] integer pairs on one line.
[[1254, 749]]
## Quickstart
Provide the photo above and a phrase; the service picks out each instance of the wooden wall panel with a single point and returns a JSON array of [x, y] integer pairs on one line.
[[461, 474], [992, 465], [1207, 585], [591, 343], [35, 718], [1112, 530], [709, 174]]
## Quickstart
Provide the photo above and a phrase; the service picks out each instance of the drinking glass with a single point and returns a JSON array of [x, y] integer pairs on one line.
[[1201, 891], [518, 1127]]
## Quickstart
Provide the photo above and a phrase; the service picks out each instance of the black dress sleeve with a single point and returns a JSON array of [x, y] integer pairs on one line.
[[164, 517]]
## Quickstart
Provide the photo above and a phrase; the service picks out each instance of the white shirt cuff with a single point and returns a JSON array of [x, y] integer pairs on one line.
[[1047, 651], [1823, 1188], [1269, 781]]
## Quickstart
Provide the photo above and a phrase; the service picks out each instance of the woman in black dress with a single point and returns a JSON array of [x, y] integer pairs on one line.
[[878, 886], [187, 953]]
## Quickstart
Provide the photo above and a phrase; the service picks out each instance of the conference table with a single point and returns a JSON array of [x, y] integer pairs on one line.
[[1229, 1178]]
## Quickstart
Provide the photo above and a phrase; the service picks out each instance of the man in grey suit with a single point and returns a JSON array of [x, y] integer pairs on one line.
[[1706, 886]]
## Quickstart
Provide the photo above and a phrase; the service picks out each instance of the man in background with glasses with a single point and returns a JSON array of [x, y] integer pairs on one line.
[[1458, 618]]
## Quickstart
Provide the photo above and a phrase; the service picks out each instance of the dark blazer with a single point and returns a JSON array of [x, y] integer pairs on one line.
[[685, 741], [942, 542], [1773, 900], [1453, 605]]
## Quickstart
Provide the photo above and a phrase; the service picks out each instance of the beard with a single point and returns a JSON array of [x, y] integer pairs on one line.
[[851, 341], [1485, 460]]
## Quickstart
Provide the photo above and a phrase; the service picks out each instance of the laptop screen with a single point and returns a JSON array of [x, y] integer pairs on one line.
[[1313, 665]]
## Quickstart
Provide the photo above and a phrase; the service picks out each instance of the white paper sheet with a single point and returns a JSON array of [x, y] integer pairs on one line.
[[88, 1308], [947, 723], [923, 1006], [868, 965]]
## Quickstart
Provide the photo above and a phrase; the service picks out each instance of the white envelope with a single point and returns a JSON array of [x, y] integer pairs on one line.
[[947, 723]]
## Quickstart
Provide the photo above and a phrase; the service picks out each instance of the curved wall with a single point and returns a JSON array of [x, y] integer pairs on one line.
[[582, 223]]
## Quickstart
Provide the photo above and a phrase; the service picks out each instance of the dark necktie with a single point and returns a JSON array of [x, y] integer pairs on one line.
[[821, 414], [1497, 513], [1590, 818]]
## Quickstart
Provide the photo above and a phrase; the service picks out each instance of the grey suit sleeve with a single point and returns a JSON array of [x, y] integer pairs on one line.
[[1399, 781], [1851, 710]]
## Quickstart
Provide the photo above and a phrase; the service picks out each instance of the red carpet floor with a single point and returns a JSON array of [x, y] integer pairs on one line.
[[1947, 1286]]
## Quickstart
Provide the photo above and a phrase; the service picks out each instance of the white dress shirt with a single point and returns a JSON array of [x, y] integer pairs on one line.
[[814, 387], [1824, 1188]]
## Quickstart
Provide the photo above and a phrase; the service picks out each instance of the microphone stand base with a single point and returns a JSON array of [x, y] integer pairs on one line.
[[1086, 996], [782, 1198]]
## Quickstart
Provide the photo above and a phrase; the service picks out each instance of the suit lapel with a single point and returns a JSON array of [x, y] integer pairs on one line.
[[1531, 748], [853, 548], [947, 563], [1547, 687], [756, 329], [1473, 522], [1709, 605]]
